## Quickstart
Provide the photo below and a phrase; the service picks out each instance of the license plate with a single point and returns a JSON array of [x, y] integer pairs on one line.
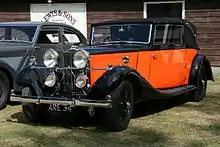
[[59, 108]]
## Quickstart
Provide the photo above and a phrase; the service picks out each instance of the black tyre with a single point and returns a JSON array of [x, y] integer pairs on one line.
[[118, 117], [200, 92], [35, 113], [4, 89]]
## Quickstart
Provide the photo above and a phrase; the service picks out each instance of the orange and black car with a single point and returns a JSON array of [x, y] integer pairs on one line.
[[126, 62]]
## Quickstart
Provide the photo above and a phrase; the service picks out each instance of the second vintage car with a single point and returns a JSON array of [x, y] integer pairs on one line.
[[128, 61], [20, 41]]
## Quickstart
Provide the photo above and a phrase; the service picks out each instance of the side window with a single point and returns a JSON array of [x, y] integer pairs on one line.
[[169, 35], [48, 37], [160, 34], [176, 34], [19, 35], [2, 34], [14, 33], [71, 37]]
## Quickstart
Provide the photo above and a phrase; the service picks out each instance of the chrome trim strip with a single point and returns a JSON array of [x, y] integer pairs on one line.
[[72, 68], [73, 103], [149, 37]]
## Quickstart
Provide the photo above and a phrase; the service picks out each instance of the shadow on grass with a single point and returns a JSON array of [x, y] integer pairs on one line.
[[67, 120], [156, 106], [214, 128], [80, 131], [87, 138], [196, 143], [210, 104], [64, 120]]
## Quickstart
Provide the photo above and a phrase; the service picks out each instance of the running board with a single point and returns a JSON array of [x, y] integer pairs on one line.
[[178, 90]]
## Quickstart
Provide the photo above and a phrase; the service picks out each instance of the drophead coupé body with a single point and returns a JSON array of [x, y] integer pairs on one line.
[[127, 61]]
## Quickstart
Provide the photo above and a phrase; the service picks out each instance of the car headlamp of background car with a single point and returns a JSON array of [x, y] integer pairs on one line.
[[81, 81], [50, 58], [80, 58], [50, 80]]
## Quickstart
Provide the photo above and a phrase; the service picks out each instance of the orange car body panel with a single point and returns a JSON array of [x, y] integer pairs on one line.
[[144, 63], [161, 68], [103, 60], [167, 68]]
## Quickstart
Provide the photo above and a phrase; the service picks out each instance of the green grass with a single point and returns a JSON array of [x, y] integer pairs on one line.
[[156, 123]]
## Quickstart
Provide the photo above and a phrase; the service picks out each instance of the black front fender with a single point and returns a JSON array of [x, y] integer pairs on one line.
[[32, 78], [198, 61], [110, 80]]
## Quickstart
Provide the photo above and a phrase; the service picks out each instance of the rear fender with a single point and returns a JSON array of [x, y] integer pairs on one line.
[[200, 59]]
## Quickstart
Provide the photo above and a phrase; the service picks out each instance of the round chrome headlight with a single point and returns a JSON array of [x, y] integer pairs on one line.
[[80, 58], [50, 80], [81, 81], [50, 58]]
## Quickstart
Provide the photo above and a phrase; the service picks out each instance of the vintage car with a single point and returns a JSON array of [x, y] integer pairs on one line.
[[20, 42], [127, 62]]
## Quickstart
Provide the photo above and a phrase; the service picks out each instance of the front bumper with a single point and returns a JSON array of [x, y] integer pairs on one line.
[[63, 101]]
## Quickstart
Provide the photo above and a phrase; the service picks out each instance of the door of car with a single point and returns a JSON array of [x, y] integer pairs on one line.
[[167, 59], [48, 38]]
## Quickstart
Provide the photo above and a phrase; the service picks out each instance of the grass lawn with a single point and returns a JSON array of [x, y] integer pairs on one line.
[[156, 123]]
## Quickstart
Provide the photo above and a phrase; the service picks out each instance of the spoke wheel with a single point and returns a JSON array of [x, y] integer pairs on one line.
[[124, 104], [118, 117]]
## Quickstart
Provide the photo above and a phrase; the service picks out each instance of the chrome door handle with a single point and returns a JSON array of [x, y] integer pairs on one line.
[[154, 56], [125, 59]]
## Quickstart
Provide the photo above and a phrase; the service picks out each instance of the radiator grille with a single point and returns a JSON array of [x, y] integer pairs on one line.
[[69, 82], [69, 75]]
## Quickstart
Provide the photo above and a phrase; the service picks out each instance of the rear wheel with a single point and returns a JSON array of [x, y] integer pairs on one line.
[[35, 113], [118, 117], [4, 89], [200, 92]]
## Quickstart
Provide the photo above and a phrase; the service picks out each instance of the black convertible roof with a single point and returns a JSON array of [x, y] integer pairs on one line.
[[149, 20], [142, 20]]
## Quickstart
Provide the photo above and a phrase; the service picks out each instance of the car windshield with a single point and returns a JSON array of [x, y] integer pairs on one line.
[[17, 33], [121, 33]]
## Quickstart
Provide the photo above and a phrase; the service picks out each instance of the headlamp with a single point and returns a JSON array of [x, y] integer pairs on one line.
[[50, 58], [80, 58]]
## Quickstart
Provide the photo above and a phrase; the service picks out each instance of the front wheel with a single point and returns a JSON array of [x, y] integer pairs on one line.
[[35, 113], [118, 117]]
